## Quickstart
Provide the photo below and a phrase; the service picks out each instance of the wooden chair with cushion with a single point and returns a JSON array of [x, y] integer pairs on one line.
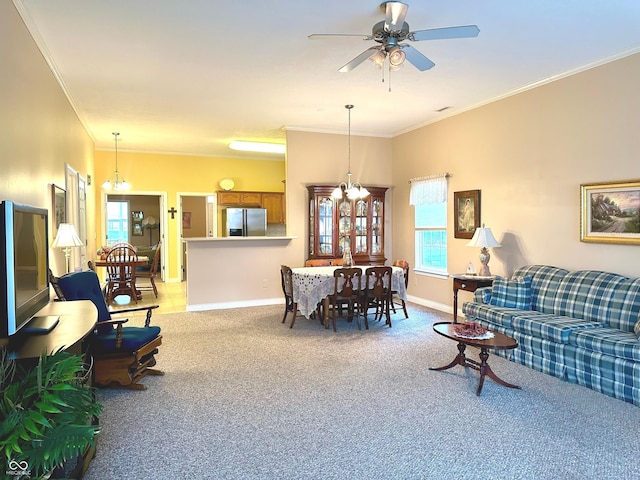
[[121, 272], [347, 286], [122, 355], [377, 293], [394, 299], [151, 273]]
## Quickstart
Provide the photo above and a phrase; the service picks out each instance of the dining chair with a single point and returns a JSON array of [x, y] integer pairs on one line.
[[318, 262], [347, 286], [286, 276], [121, 272], [394, 298], [377, 293], [150, 274]]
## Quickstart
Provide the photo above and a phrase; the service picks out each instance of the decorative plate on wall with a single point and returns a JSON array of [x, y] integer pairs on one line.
[[226, 184]]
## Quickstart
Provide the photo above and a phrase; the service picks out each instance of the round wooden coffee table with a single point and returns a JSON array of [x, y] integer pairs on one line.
[[498, 342]]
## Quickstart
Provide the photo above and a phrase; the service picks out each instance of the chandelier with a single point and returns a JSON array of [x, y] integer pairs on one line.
[[115, 182], [354, 190]]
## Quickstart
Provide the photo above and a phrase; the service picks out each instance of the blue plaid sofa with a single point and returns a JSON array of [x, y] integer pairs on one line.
[[580, 326]]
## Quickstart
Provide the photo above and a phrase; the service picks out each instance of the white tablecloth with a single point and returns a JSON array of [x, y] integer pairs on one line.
[[312, 284]]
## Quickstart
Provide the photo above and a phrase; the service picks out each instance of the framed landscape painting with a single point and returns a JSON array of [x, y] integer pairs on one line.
[[610, 212], [466, 213]]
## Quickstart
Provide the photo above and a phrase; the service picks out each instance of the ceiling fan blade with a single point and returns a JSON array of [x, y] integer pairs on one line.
[[416, 58], [465, 31], [317, 36], [359, 59], [395, 15]]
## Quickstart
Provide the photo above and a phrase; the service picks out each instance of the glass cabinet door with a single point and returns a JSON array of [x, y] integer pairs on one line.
[[377, 225], [325, 225], [312, 228], [344, 225], [361, 226]]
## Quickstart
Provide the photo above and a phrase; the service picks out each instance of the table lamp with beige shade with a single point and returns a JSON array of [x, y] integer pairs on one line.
[[66, 239], [484, 239]]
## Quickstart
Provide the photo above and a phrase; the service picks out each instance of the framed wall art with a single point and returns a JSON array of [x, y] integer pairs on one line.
[[136, 223], [58, 207], [466, 213], [610, 212]]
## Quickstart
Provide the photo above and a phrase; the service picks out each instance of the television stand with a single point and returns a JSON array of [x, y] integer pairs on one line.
[[76, 321], [40, 325]]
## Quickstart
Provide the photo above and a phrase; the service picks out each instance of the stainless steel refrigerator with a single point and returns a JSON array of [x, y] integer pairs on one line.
[[245, 222]]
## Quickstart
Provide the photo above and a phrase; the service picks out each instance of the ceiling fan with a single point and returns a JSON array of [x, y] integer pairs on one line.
[[391, 32]]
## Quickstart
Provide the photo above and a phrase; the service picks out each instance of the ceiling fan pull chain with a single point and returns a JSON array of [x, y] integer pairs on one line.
[[389, 77]]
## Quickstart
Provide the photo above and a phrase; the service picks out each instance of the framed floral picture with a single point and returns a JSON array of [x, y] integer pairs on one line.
[[610, 212], [466, 213]]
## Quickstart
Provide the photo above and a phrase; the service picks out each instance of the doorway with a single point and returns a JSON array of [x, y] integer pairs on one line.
[[138, 218], [199, 220]]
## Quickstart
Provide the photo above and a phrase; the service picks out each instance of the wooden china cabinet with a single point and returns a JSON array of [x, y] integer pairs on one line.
[[336, 223]]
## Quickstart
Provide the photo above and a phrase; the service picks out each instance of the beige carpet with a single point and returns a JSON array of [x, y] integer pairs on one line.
[[245, 397]]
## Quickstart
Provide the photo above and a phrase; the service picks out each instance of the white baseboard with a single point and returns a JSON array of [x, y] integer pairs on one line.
[[239, 304]]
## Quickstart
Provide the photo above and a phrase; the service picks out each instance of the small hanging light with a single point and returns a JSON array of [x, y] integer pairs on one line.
[[115, 182], [354, 190]]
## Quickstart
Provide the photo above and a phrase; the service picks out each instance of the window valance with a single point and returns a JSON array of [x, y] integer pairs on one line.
[[428, 190]]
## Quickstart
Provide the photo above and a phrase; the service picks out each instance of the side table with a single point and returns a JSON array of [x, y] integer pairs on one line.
[[468, 283]]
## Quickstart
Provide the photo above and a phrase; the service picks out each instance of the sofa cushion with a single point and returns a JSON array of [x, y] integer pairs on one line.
[[548, 326], [511, 293], [544, 284], [495, 315], [609, 341], [636, 329]]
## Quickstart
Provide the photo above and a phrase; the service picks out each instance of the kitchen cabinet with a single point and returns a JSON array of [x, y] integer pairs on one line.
[[242, 199], [274, 203], [337, 223]]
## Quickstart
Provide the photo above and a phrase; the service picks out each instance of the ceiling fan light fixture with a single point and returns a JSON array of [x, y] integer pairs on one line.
[[396, 56], [378, 59]]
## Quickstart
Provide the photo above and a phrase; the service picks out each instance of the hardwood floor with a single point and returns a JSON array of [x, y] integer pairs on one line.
[[172, 298]]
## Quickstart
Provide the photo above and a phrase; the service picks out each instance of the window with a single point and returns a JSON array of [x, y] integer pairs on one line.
[[431, 237], [117, 222], [429, 196]]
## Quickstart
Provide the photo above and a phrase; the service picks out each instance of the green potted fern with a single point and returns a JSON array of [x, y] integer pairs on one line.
[[46, 415]]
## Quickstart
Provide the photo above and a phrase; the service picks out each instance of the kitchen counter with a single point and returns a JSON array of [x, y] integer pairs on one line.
[[234, 239], [231, 272]]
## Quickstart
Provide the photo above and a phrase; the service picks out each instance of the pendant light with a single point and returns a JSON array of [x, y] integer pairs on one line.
[[115, 182], [354, 190]]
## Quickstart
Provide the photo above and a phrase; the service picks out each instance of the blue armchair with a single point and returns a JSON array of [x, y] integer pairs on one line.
[[122, 355]]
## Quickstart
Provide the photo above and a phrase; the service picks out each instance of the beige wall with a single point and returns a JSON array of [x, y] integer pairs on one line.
[[528, 154], [314, 158], [39, 131], [196, 208]]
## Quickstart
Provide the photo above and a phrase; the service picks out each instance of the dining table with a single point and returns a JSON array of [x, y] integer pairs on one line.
[[139, 261], [312, 285]]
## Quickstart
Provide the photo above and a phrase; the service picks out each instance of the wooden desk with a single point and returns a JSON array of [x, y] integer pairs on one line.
[[77, 320], [468, 283]]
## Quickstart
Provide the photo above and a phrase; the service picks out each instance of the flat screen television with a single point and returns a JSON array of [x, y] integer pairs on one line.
[[24, 266]]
